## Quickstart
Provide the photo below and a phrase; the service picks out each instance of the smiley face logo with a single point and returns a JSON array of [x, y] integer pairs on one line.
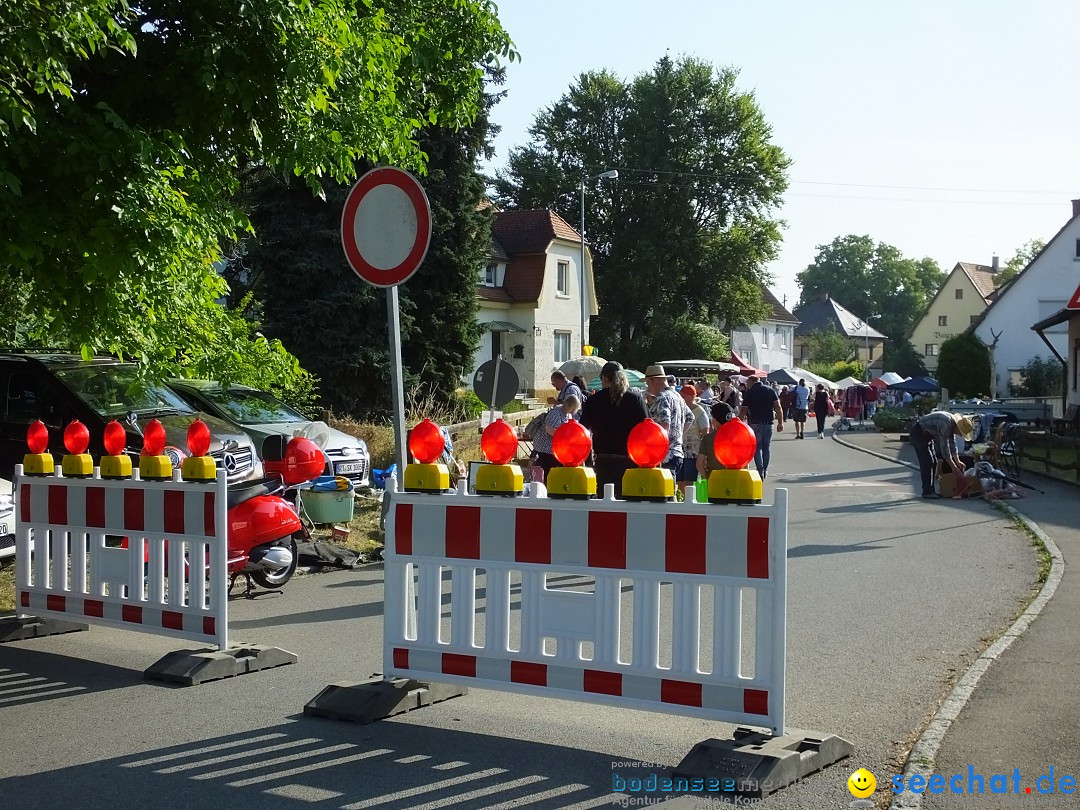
[[861, 783]]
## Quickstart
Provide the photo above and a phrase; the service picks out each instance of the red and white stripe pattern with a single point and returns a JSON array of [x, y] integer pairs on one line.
[[671, 539], [715, 700], [169, 577], [155, 507], [673, 560]]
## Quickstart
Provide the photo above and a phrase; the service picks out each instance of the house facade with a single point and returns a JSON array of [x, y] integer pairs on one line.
[[529, 296], [1041, 289], [1069, 317], [769, 344], [824, 314], [959, 303]]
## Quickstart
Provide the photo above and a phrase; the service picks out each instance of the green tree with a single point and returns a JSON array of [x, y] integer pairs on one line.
[[337, 324], [685, 338], [122, 128], [827, 346], [688, 226], [902, 357], [872, 279], [1021, 259], [964, 365], [1040, 378], [838, 371]]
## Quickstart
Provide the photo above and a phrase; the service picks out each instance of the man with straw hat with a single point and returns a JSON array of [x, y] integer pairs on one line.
[[939, 428]]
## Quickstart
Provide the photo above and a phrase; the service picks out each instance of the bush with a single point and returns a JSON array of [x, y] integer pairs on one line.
[[889, 421]]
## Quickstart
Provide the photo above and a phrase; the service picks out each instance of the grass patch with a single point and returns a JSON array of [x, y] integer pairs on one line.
[[1045, 560], [7, 589]]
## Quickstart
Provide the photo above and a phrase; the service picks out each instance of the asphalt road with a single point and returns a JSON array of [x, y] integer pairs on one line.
[[889, 597]]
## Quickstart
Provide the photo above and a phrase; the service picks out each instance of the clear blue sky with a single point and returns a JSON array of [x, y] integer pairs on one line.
[[948, 129]]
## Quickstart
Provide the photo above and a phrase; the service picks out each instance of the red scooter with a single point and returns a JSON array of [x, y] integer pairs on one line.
[[263, 515]]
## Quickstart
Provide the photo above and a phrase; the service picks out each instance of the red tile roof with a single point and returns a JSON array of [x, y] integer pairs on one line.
[[530, 231], [981, 276]]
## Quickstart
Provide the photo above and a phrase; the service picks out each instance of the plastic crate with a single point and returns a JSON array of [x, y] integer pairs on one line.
[[329, 507]]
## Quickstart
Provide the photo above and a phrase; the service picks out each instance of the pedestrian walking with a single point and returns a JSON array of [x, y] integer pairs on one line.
[[610, 414], [800, 401], [821, 409], [760, 406], [936, 430]]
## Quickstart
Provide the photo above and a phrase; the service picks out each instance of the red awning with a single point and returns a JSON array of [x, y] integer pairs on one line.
[[744, 367]]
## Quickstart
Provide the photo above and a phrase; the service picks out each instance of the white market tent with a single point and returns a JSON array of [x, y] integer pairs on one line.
[[847, 382], [891, 378], [811, 379]]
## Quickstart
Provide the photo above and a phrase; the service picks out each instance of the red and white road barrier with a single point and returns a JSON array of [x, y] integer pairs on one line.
[[657, 622], [170, 576]]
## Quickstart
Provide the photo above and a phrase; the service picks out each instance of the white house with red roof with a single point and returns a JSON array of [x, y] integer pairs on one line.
[[529, 295], [1041, 290]]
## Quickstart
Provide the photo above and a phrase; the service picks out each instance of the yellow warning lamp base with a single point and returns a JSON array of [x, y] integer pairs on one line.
[[38, 464], [648, 484], [426, 478], [155, 468], [499, 479], [115, 467], [77, 465], [734, 486], [571, 482], [197, 468]]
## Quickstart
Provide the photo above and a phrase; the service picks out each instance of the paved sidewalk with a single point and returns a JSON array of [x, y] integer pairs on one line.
[[1024, 713]]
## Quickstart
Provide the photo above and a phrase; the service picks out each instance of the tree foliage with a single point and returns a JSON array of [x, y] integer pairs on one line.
[[124, 127], [872, 280], [686, 229], [964, 365], [1040, 378], [827, 346], [1019, 260], [902, 357], [337, 324]]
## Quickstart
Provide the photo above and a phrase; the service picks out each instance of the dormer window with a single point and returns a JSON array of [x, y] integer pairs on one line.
[[489, 275]]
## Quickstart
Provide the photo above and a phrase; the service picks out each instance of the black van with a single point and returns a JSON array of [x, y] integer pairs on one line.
[[59, 388]]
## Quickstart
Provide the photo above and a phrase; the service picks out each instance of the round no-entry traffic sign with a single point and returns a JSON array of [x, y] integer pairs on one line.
[[386, 226]]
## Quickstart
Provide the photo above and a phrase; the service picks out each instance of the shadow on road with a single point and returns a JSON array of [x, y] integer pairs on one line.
[[28, 676], [389, 765]]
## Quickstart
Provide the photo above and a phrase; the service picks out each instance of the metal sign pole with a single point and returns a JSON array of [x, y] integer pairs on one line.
[[494, 387], [397, 389]]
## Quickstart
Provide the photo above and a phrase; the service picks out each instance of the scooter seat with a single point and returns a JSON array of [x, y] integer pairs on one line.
[[252, 489]]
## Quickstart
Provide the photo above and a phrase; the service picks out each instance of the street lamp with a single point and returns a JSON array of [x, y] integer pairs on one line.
[[610, 174], [866, 332]]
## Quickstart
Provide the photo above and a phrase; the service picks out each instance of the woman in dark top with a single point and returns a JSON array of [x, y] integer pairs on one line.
[[821, 409], [611, 414]]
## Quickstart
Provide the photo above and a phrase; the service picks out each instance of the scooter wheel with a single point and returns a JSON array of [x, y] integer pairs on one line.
[[275, 579]]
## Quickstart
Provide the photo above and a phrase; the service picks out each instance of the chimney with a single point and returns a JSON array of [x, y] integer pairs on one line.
[[1076, 207], [995, 263]]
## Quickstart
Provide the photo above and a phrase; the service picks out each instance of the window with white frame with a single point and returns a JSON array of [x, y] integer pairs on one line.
[[562, 346], [562, 281], [490, 274], [765, 337], [781, 334]]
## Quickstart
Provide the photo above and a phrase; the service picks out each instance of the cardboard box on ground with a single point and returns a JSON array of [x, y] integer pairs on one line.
[[947, 483]]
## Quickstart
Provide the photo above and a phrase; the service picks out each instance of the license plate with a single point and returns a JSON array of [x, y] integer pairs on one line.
[[349, 467]]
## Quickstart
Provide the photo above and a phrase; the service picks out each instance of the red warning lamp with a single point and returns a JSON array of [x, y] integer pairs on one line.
[[76, 438], [115, 438], [734, 444], [153, 438], [499, 442], [37, 437], [426, 442], [648, 444], [571, 444], [198, 438]]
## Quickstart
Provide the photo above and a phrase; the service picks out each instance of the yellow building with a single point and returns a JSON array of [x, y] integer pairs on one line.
[[961, 300]]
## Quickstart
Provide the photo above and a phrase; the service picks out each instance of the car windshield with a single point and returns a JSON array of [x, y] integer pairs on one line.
[[250, 407], [118, 390]]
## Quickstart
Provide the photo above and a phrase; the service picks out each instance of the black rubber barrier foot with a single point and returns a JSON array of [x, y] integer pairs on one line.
[[757, 764], [192, 667], [14, 628], [367, 701]]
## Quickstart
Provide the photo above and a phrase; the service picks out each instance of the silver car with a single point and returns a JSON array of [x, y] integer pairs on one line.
[[261, 415], [7, 523]]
